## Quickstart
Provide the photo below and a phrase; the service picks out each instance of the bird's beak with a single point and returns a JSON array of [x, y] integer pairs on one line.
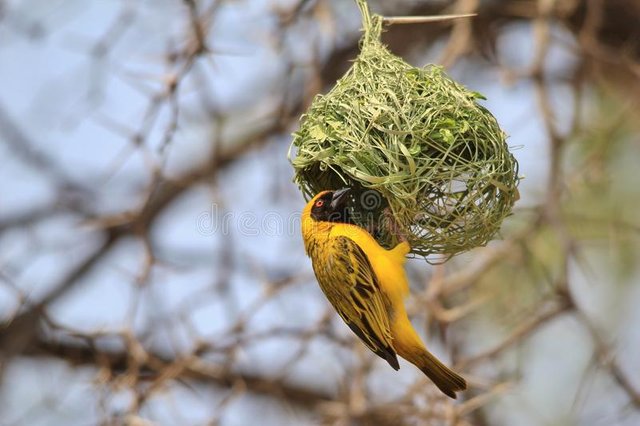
[[339, 198]]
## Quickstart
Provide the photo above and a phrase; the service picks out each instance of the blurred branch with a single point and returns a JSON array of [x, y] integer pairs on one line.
[[606, 358], [18, 333], [391, 20], [153, 366], [28, 152], [607, 51], [546, 312]]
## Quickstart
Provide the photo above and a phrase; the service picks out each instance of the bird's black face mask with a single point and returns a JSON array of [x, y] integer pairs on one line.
[[332, 207]]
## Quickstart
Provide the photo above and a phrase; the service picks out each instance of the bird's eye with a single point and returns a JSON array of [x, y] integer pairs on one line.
[[319, 203]]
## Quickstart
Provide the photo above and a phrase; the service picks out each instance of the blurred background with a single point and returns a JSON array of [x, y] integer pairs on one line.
[[151, 267]]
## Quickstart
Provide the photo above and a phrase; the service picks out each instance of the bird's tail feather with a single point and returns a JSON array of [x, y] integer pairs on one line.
[[447, 380]]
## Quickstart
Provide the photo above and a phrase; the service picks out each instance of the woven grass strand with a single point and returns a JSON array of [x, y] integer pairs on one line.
[[438, 159]]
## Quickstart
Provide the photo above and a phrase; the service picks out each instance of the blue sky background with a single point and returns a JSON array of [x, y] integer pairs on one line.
[[66, 101]]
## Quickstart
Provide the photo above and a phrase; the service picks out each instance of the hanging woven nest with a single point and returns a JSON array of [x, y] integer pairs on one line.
[[416, 144]]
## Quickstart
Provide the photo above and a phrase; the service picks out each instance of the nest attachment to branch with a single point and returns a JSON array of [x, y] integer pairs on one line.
[[431, 164]]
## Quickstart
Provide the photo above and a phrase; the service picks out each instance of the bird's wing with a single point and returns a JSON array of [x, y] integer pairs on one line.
[[349, 282]]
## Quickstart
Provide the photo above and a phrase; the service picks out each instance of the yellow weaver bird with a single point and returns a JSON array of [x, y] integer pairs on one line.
[[366, 284]]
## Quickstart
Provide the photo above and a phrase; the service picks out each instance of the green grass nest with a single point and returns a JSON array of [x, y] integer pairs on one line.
[[416, 144]]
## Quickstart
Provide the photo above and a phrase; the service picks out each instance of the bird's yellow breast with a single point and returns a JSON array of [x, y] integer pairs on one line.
[[388, 265]]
